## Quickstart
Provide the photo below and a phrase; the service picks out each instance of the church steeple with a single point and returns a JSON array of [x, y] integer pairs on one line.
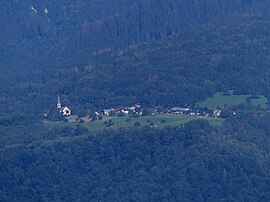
[[59, 106]]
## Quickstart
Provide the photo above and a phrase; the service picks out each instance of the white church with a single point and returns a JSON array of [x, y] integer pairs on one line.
[[65, 111]]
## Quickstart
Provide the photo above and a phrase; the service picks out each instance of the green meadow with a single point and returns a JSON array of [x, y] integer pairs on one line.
[[162, 120], [220, 100]]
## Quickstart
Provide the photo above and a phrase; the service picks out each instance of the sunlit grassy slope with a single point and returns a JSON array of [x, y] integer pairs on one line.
[[219, 100], [162, 120]]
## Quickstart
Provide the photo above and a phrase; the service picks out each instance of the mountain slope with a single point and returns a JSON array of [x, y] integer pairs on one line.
[[50, 33]]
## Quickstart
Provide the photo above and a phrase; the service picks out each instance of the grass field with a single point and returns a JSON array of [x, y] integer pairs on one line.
[[162, 120], [219, 100]]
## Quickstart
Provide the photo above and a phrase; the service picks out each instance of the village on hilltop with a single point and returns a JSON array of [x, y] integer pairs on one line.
[[137, 110]]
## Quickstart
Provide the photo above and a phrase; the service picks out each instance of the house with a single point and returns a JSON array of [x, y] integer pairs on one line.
[[134, 107], [217, 113], [137, 105], [65, 111], [106, 112], [125, 111], [45, 115], [180, 110]]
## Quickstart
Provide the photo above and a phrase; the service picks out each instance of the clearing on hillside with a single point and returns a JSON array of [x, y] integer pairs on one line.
[[220, 100], [161, 120]]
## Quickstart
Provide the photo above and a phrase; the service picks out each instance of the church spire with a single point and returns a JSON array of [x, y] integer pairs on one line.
[[58, 103]]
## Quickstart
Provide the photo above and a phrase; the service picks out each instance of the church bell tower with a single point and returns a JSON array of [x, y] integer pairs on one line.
[[59, 106]]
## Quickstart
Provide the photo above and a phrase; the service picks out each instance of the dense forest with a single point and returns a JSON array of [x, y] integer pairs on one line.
[[215, 47], [193, 163], [99, 54], [59, 32]]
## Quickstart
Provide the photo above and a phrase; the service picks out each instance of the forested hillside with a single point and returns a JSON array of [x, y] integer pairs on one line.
[[193, 163], [179, 70], [161, 54], [198, 49], [100, 54], [46, 33]]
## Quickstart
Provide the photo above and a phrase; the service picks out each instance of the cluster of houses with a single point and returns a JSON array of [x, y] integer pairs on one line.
[[188, 111], [136, 109]]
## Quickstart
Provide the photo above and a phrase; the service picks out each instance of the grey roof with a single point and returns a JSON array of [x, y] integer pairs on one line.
[[180, 109]]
